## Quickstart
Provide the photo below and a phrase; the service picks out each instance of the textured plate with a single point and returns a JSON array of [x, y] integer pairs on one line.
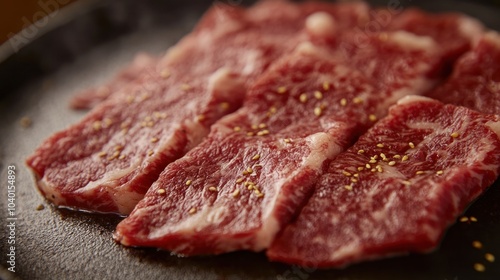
[[84, 47]]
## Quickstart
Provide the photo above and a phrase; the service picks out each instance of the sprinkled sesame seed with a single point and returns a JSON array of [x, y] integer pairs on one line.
[[282, 90], [348, 187], [455, 134], [396, 156], [212, 189], [489, 257], [380, 145], [420, 172], [185, 87], [405, 158], [121, 157], [260, 195], [154, 140], [372, 118], [192, 211], [224, 105], [239, 180], [464, 219], [348, 174], [189, 182], [250, 133], [361, 168], [150, 153], [161, 191], [368, 166], [256, 157], [263, 132], [476, 244], [249, 170], [473, 219], [439, 172], [318, 95], [165, 73], [343, 102], [357, 100], [262, 125], [102, 154], [479, 267], [237, 129], [318, 111], [392, 163], [326, 85], [254, 126], [407, 183], [373, 170], [236, 193], [97, 125], [354, 180], [303, 98], [361, 151], [412, 146], [373, 161], [272, 110]]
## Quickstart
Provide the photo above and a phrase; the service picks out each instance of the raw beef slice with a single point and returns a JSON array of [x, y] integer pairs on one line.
[[107, 162], [257, 167], [475, 81], [397, 189]]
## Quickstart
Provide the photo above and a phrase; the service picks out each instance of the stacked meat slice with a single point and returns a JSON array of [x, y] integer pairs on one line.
[[278, 173]]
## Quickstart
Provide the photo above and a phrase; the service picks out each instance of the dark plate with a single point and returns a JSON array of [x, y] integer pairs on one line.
[[86, 44]]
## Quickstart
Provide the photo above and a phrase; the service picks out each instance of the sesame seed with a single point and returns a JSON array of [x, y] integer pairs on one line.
[[161, 191], [237, 129], [405, 158], [489, 257], [102, 154], [121, 157], [379, 145], [249, 170], [185, 87], [372, 118], [318, 95], [368, 166], [254, 126], [256, 157], [347, 174], [303, 98], [473, 219], [282, 90], [373, 170], [354, 180], [476, 244], [357, 100], [236, 193], [287, 140], [272, 110], [165, 74], [355, 175], [212, 189], [373, 161], [407, 183], [224, 105], [250, 133], [317, 111], [262, 125], [382, 155], [118, 147], [479, 267], [239, 180], [419, 172], [361, 168], [464, 219], [396, 156], [343, 102], [361, 151], [412, 146], [455, 135], [439, 172], [192, 210], [97, 125], [154, 140], [392, 163], [348, 187], [189, 182], [263, 132], [260, 195], [150, 153], [326, 85]]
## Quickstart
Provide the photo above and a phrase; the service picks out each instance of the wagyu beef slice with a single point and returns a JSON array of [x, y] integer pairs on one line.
[[397, 189], [239, 187]]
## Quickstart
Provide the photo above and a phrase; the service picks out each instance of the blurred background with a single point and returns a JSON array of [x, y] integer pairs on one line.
[[18, 14]]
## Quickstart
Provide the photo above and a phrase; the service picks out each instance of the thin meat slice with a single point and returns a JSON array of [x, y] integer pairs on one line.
[[475, 81], [397, 189], [238, 188], [279, 18], [136, 71], [107, 162], [455, 33]]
